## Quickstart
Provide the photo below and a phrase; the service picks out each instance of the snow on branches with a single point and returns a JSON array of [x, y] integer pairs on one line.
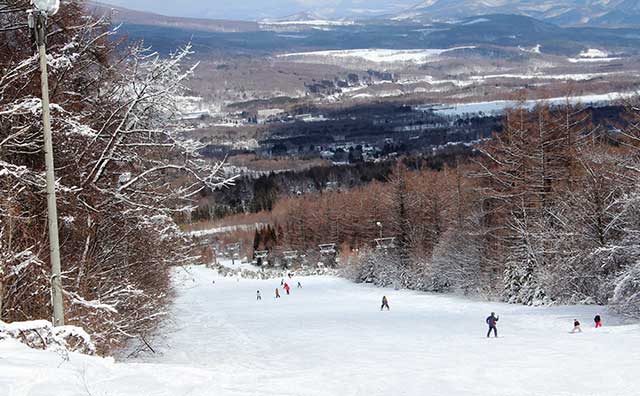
[[123, 173], [41, 334]]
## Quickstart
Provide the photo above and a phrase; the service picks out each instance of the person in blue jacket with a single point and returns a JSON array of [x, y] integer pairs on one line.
[[492, 322]]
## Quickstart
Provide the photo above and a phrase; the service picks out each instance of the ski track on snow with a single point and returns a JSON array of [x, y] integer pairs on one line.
[[330, 339]]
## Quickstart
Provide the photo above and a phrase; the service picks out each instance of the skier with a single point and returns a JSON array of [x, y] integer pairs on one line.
[[598, 321], [282, 282], [277, 293], [492, 321], [286, 288], [258, 296], [385, 303], [299, 285], [576, 326]]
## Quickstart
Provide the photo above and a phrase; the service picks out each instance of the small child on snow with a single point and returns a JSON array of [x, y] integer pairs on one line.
[[576, 326], [277, 293], [258, 296], [598, 321]]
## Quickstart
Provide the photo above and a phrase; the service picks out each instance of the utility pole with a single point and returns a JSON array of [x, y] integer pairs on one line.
[[38, 22]]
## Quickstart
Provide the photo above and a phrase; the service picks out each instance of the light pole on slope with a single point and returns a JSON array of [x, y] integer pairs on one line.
[[38, 24]]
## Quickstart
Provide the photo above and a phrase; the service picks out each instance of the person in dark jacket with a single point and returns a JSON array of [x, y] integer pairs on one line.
[[492, 321], [598, 321], [385, 303], [258, 296]]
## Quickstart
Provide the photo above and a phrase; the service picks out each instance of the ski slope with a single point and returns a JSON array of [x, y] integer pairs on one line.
[[330, 338]]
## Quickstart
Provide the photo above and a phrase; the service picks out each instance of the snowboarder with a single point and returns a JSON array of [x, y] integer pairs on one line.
[[286, 288], [598, 321], [258, 296], [277, 293], [576, 326], [385, 303], [299, 285], [492, 321]]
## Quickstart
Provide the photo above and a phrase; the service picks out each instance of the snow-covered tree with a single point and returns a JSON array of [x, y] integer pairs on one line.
[[123, 173]]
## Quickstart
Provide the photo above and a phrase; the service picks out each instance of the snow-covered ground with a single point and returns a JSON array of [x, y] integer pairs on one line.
[[314, 22], [542, 76], [225, 229], [497, 107], [330, 338], [593, 55], [378, 55]]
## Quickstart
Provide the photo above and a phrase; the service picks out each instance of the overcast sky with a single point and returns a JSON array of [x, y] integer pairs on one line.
[[257, 9]]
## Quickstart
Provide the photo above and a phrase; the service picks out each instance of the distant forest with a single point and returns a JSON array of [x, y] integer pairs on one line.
[[548, 211], [252, 195]]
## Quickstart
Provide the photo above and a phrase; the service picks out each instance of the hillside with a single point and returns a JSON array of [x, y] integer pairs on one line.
[[132, 17]]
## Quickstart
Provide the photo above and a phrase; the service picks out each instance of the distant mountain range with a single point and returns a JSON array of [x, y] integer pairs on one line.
[[611, 13], [132, 17], [602, 13], [432, 24], [561, 12]]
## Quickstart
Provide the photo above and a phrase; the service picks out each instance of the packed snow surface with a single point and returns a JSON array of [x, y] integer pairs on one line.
[[330, 338]]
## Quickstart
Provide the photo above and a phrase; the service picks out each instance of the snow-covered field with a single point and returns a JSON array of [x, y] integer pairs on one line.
[[499, 106], [314, 22], [377, 55], [542, 76], [593, 55], [330, 338]]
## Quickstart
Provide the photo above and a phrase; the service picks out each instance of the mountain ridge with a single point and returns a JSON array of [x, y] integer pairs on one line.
[[615, 13], [129, 16]]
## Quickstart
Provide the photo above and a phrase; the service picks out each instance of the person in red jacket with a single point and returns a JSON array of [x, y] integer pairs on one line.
[[286, 287], [598, 321]]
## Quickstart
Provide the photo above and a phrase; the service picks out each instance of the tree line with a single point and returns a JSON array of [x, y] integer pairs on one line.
[[549, 212]]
